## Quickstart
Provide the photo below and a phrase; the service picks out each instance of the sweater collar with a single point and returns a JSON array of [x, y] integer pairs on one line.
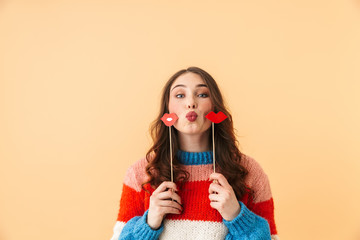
[[195, 158]]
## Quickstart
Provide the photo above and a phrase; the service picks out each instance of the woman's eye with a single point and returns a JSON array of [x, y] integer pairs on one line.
[[203, 95], [179, 95]]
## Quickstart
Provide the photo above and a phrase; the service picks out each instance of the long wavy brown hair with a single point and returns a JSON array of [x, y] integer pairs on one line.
[[228, 160]]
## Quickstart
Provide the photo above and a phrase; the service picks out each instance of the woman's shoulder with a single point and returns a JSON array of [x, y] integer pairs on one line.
[[139, 165], [136, 174], [251, 165], [256, 179]]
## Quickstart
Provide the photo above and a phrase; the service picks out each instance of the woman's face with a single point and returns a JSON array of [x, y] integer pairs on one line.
[[190, 100]]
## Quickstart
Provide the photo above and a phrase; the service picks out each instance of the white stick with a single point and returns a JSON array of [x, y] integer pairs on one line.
[[213, 145], [171, 161]]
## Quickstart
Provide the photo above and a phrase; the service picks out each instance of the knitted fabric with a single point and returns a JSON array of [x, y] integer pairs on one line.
[[197, 220]]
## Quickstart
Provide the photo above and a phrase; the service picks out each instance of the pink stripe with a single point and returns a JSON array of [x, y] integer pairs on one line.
[[257, 179], [199, 172], [136, 175]]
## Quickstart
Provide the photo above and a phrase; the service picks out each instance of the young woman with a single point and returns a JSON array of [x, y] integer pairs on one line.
[[233, 203]]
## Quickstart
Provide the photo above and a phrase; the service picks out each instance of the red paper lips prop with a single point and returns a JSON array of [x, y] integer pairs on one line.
[[216, 117], [169, 119]]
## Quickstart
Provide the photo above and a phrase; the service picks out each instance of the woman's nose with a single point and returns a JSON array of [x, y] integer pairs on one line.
[[191, 103], [191, 106]]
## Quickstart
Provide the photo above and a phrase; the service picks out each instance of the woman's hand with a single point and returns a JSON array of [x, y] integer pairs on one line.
[[222, 197], [163, 200]]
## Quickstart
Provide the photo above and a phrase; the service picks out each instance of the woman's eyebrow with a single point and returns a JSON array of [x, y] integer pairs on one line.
[[182, 85]]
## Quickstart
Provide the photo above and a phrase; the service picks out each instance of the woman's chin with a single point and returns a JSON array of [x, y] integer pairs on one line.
[[191, 131]]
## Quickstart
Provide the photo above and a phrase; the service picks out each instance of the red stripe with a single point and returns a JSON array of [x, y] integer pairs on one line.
[[131, 204], [195, 200], [196, 204], [266, 210]]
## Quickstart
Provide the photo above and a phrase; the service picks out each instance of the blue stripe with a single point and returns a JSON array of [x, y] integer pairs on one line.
[[195, 158]]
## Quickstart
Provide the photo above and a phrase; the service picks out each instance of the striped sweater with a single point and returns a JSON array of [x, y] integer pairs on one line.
[[197, 220]]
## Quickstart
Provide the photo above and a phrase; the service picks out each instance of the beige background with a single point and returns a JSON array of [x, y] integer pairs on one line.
[[80, 82]]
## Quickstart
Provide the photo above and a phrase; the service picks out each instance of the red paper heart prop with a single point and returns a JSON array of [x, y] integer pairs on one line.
[[169, 119], [216, 117]]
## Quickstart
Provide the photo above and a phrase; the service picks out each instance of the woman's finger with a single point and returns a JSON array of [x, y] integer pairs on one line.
[[165, 185], [169, 194], [169, 210], [217, 205], [220, 178], [215, 198], [169, 203], [214, 187]]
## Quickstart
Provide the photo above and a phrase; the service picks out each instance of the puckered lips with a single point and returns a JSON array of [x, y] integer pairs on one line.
[[191, 116], [216, 117], [169, 119]]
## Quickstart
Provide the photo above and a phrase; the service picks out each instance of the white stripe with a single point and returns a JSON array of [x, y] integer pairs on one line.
[[193, 230], [117, 230], [184, 229], [275, 237]]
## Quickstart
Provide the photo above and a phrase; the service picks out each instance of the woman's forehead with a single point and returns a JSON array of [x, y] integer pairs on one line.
[[189, 80]]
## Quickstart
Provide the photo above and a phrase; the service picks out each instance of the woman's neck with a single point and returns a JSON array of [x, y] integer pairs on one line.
[[194, 143]]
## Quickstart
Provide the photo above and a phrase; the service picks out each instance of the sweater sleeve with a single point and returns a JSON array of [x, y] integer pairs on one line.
[[247, 225], [132, 217], [262, 203], [137, 228]]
